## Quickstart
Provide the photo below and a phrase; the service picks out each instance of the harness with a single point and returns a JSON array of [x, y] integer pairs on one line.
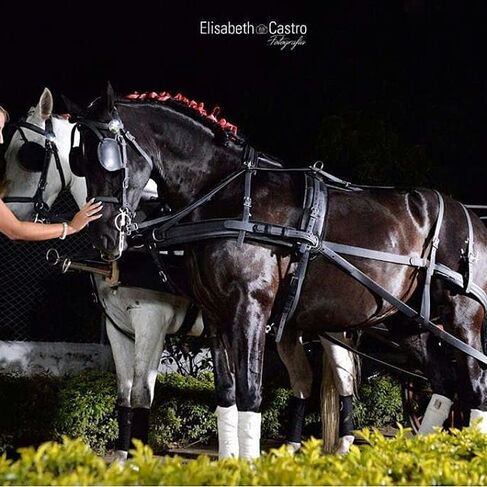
[[37, 158], [306, 240]]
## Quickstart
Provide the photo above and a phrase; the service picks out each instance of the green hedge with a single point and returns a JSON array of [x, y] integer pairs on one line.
[[34, 410], [458, 458]]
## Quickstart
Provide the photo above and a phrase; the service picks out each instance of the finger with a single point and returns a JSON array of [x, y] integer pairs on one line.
[[94, 209], [95, 217]]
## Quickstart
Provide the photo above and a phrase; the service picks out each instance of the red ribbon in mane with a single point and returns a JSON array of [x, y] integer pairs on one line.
[[198, 107]]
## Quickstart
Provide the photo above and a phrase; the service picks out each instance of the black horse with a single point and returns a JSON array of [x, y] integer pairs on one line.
[[238, 284]]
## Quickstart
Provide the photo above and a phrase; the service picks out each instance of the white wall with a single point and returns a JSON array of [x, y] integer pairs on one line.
[[57, 358]]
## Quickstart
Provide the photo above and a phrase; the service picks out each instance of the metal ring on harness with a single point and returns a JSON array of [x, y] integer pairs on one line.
[[66, 265], [123, 221], [318, 165], [56, 259]]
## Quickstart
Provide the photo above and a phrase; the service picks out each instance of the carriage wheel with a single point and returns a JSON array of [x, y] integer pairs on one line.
[[416, 396]]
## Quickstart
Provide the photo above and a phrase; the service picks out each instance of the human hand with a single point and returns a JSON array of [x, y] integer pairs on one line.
[[90, 211]]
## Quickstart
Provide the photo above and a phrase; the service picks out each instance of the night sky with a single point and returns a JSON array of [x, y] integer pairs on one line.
[[415, 67]]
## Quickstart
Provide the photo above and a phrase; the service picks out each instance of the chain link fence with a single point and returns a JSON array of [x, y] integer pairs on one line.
[[37, 302]]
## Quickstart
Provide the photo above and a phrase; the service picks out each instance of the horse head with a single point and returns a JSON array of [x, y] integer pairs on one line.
[[123, 141], [26, 160]]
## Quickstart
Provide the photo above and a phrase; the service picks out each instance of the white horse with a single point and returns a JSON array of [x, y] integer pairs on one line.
[[150, 315], [23, 182]]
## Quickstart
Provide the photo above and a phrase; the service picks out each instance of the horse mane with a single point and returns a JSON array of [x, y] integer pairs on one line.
[[224, 130]]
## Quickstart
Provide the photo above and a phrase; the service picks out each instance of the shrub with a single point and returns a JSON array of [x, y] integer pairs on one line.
[[379, 404], [34, 410], [86, 409], [458, 458]]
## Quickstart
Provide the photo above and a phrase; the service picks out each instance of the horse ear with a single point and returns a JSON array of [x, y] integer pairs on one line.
[[110, 97], [45, 105], [71, 107]]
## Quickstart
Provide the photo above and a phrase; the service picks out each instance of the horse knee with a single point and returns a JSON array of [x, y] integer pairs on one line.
[[142, 395], [250, 399], [124, 392]]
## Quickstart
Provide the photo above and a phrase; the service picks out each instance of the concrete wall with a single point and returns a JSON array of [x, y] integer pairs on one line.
[[58, 358]]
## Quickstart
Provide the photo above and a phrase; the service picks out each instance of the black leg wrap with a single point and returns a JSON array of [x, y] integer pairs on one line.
[[124, 428], [346, 416], [297, 411], [140, 424]]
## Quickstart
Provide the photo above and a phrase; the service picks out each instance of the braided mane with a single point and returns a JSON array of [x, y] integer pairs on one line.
[[194, 109]]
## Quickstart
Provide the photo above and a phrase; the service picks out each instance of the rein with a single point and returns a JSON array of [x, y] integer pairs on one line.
[[50, 151]]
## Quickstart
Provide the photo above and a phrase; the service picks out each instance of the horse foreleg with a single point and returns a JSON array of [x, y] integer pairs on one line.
[[150, 322], [342, 364], [123, 356], [248, 355], [226, 411], [292, 354]]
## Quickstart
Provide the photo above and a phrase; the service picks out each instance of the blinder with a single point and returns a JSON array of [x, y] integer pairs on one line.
[[109, 155], [32, 156], [76, 158], [108, 152]]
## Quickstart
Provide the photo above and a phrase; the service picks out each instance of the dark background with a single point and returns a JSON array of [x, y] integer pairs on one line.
[[384, 91]]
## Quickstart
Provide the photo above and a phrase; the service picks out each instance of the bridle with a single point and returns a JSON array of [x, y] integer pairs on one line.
[[112, 155], [49, 151]]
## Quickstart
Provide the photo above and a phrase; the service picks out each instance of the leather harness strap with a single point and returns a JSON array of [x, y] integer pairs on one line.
[[469, 252], [430, 267], [316, 198], [366, 356], [400, 305]]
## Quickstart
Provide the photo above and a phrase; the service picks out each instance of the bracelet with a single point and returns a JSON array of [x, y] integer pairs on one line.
[[65, 231]]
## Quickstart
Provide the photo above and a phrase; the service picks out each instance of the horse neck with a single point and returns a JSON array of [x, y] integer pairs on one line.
[[185, 154], [187, 180]]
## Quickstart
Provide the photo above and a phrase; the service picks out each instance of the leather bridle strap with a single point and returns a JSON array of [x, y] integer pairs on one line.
[[40, 205], [171, 220]]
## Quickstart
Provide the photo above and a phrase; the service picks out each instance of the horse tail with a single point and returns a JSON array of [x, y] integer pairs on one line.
[[330, 409], [330, 398]]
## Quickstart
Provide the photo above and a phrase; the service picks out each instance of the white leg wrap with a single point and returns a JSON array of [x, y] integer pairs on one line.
[[120, 456], [292, 446], [475, 416], [227, 421], [249, 434], [436, 413], [344, 444]]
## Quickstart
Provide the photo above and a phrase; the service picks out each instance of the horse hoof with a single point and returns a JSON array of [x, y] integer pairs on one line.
[[293, 447], [120, 456], [344, 444]]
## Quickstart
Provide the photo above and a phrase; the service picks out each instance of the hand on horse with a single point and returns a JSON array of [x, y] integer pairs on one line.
[[90, 211]]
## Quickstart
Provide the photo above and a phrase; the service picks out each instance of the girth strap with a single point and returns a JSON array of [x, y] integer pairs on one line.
[[315, 206]]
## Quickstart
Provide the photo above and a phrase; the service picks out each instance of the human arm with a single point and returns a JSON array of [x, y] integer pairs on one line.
[[20, 230]]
